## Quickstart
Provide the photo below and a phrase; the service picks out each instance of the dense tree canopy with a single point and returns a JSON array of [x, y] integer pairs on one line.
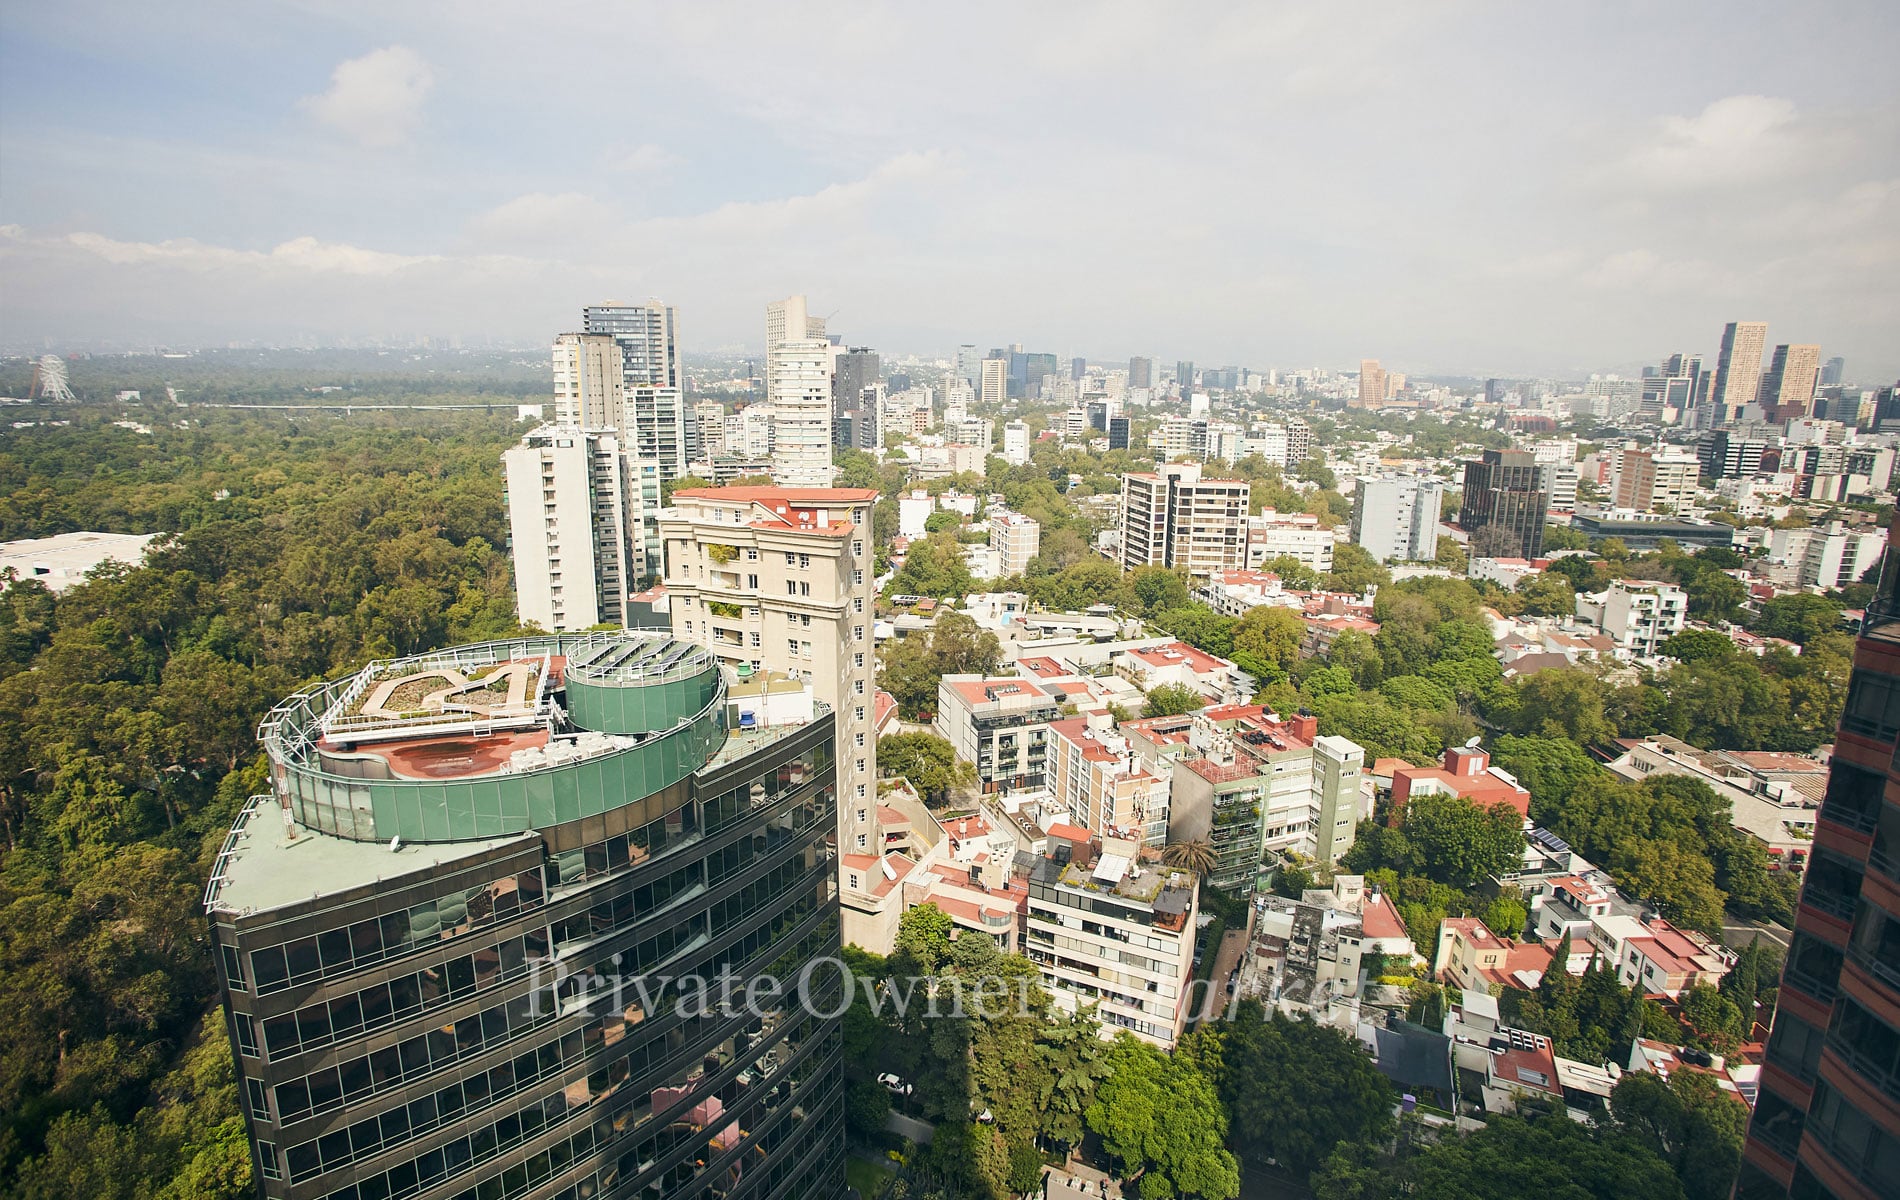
[[298, 550]]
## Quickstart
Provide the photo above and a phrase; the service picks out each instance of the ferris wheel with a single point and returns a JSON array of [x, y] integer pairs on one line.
[[49, 379]]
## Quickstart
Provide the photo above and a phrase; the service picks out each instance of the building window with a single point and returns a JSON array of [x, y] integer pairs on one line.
[[751, 555], [791, 588], [752, 581], [1873, 706], [260, 1099], [791, 647], [860, 712], [755, 641], [267, 1160], [860, 791], [861, 841], [246, 1033], [790, 558], [857, 661], [863, 816], [857, 686], [857, 548], [233, 968], [804, 562], [857, 604], [860, 738], [857, 633]]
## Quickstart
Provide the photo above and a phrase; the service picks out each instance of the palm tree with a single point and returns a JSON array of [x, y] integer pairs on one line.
[[1196, 856]]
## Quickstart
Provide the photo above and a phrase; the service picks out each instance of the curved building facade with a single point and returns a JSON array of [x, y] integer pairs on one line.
[[1826, 1124], [547, 918]]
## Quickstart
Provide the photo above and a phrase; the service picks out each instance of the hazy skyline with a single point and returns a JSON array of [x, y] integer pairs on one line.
[[1468, 188]]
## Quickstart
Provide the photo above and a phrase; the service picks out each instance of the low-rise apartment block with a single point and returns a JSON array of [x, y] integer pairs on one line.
[[1638, 614], [1104, 785], [1000, 725], [1107, 928]]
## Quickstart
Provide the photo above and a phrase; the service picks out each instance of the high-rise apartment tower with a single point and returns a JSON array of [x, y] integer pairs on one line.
[[1827, 1119], [458, 938], [652, 379]]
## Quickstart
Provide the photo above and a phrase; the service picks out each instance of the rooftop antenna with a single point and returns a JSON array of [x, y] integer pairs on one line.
[[49, 379]]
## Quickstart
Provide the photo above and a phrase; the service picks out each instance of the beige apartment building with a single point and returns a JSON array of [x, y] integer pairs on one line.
[[589, 382], [779, 579], [1172, 517], [1016, 539]]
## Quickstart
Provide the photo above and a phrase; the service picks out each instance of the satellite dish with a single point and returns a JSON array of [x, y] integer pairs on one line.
[[1473, 743], [395, 843]]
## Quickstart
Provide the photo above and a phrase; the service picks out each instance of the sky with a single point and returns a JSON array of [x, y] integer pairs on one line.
[[1469, 188]]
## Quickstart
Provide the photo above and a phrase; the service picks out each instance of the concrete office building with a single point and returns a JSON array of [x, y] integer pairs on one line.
[[852, 372], [652, 379], [1787, 387], [1141, 372], [994, 386], [1272, 535], [801, 413], [1834, 372], [1508, 489], [1395, 517], [969, 366], [1650, 481], [1830, 557], [1827, 1120], [579, 512], [779, 579], [1118, 433], [1737, 379], [789, 320], [428, 931], [590, 382], [1016, 443], [709, 418], [1172, 517], [1372, 383], [1016, 540]]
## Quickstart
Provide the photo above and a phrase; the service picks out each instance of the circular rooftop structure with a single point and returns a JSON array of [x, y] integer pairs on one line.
[[487, 740]]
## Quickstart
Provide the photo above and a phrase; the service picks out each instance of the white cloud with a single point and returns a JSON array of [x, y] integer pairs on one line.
[[304, 254], [376, 99], [647, 159], [1732, 140], [541, 218]]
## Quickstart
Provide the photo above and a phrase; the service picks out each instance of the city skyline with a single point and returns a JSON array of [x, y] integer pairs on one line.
[[358, 171]]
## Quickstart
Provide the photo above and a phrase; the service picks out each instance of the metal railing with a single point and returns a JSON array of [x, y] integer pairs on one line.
[[228, 851]]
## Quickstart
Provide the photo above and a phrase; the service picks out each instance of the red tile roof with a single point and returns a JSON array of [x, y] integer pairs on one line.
[[977, 691], [1176, 654], [1378, 919]]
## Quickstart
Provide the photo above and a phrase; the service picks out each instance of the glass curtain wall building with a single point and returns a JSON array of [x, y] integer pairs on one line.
[[500, 929], [1827, 1121]]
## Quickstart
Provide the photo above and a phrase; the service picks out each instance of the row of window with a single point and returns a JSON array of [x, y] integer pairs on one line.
[[622, 851], [380, 1004], [366, 943], [359, 1078], [405, 1122], [605, 857], [615, 913], [438, 1165], [1856, 1142], [491, 1138]]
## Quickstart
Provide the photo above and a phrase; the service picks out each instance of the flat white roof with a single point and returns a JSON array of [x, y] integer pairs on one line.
[[63, 560]]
